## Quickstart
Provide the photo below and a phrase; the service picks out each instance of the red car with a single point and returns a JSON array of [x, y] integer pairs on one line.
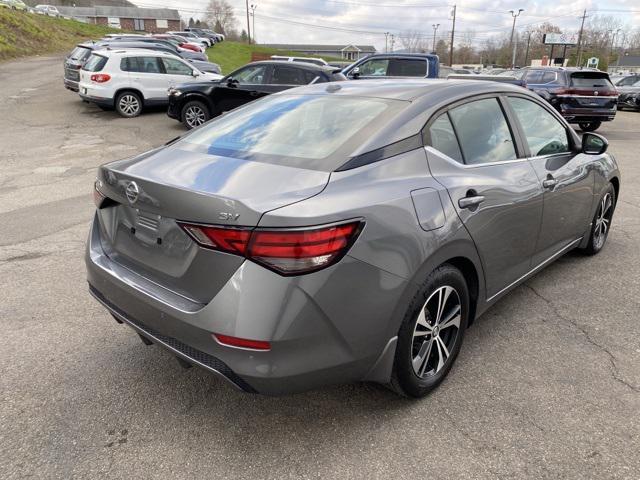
[[179, 42]]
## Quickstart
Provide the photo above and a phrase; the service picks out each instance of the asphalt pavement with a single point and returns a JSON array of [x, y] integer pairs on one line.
[[547, 385]]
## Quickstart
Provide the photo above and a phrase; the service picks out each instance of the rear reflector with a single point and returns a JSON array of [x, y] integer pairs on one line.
[[286, 251], [242, 342]]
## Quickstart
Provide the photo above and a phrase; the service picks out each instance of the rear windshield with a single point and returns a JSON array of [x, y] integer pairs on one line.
[[590, 80], [80, 53], [95, 63], [316, 132]]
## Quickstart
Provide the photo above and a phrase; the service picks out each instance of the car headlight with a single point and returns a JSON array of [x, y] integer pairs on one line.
[[174, 92]]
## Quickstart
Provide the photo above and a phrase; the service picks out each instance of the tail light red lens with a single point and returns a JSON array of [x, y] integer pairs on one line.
[[100, 77], [286, 251]]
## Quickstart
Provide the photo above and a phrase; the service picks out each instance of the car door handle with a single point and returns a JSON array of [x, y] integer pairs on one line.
[[470, 202], [550, 182], [254, 94]]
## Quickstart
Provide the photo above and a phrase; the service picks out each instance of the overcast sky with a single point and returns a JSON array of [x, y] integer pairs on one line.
[[278, 21]]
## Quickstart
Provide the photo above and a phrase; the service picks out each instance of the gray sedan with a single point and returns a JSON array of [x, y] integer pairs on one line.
[[344, 232]]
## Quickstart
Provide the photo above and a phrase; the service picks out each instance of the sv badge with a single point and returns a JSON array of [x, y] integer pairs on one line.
[[229, 217]]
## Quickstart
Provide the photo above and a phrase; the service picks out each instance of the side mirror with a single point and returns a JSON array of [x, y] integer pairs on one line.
[[195, 73], [355, 73], [231, 82], [594, 144]]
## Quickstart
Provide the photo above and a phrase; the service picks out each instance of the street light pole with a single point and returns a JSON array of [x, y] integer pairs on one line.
[[513, 29], [526, 53], [435, 29], [386, 42], [253, 19]]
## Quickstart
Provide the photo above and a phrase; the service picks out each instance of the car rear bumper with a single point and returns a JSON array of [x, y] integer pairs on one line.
[[71, 85], [321, 330], [576, 115]]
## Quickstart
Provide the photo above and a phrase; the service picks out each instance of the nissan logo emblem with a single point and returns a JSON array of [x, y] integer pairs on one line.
[[132, 191]]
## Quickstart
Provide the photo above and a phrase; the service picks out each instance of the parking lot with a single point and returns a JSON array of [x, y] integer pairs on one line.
[[547, 384]]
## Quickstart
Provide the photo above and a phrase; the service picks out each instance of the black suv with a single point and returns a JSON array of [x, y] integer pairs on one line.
[[583, 96], [195, 103]]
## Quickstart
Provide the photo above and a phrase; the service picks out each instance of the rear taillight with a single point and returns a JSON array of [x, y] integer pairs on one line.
[[286, 251], [100, 77]]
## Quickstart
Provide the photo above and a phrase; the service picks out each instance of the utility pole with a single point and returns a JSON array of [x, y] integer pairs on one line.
[[453, 31], [435, 29], [248, 24], [253, 19], [526, 53], [579, 61], [386, 42], [513, 29]]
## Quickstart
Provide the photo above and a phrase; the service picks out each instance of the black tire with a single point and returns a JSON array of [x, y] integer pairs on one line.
[[598, 237], [128, 104], [589, 126], [194, 114], [421, 334]]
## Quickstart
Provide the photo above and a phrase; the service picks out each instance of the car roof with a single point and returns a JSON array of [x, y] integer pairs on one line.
[[303, 65], [125, 52]]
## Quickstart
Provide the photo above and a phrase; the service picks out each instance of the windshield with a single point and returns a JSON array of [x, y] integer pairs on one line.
[[80, 53], [317, 132], [590, 80]]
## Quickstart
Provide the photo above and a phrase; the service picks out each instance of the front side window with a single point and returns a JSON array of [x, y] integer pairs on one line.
[[404, 67], [284, 75], [374, 68], [548, 77], [534, 76], [176, 67], [254, 75], [545, 134], [317, 132], [483, 132], [443, 138], [95, 63]]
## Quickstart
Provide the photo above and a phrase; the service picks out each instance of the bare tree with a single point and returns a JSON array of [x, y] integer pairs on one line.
[[220, 12], [414, 42]]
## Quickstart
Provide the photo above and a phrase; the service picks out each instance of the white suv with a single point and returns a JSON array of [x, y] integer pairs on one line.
[[128, 80]]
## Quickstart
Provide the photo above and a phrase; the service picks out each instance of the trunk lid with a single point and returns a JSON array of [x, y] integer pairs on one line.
[[150, 193]]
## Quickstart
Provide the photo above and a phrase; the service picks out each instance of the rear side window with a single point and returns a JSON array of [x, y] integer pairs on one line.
[[545, 134], [404, 67], [95, 63], [443, 138], [287, 76], [590, 80], [548, 77], [483, 132], [310, 76], [140, 65]]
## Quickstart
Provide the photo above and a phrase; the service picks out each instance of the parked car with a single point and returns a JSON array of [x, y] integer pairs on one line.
[[179, 42], [49, 10], [219, 36], [316, 61], [582, 96], [629, 93], [196, 103], [207, 42], [14, 4], [394, 65], [156, 44], [129, 80], [203, 33], [344, 232]]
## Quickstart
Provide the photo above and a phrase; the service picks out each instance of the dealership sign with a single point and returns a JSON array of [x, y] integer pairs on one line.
[[560, 39]]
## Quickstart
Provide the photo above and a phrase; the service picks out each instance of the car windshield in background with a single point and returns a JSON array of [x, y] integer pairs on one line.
[[590, 80], [95, 63], [80, 53], [315, 132]]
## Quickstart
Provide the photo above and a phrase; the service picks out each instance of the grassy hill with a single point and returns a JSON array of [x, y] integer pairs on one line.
[[23, 34], [231, 55]]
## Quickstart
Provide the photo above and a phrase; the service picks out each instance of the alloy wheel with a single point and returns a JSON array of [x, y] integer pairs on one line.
[[129, 105], [436, 331], [603, 220], [194, 116]]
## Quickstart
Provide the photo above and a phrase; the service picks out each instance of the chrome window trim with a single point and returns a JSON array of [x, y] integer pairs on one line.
[[475, 165]]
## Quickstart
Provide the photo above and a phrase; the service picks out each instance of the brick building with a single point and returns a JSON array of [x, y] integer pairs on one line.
[[150, 20]]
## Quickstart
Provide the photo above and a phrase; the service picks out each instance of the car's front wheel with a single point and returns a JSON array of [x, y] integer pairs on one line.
[[601, 223], [194, 114], [431, 333], [589, 126], [129, 104]]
